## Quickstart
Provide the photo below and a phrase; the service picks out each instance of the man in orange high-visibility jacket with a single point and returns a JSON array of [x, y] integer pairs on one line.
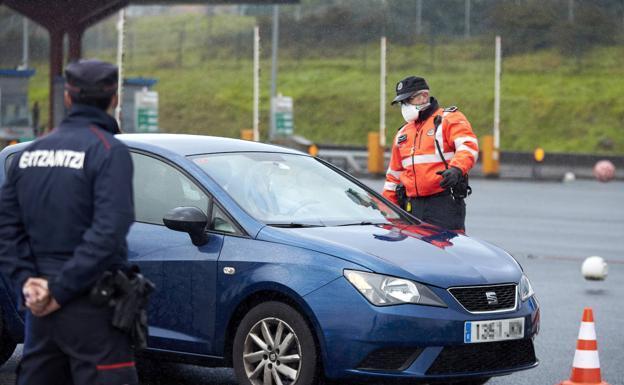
[[428, 171]]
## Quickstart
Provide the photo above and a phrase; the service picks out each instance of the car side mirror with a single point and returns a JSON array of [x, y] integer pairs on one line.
[[190, 220]]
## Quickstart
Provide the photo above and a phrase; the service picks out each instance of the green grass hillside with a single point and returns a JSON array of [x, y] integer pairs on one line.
[[205, 85]]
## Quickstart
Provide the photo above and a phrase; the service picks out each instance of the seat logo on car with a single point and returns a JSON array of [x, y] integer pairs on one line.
[[491, 298]]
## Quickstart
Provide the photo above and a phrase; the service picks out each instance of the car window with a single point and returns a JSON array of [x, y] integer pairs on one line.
[[160, 187], [287, 189], [221, 223]]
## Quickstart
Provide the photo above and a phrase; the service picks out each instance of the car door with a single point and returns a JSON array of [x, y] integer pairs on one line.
[[182, 309]]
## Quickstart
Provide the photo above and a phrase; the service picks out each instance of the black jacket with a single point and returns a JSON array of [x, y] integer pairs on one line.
[[66, 205]]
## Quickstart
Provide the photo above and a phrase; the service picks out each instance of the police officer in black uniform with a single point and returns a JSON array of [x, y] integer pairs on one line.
[[65, 211]]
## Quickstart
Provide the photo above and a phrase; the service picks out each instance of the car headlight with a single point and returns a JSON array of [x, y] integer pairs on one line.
[[526, 290], [382, 290]]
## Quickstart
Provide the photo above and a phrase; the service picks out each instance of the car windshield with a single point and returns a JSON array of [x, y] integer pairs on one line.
[[294, 190]]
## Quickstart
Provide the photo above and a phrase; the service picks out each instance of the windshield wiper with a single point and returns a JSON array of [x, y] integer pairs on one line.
[[364, 223], [294, 225]]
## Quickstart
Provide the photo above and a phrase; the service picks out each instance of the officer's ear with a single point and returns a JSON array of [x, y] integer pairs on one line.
[[67, 100], [113, 103]]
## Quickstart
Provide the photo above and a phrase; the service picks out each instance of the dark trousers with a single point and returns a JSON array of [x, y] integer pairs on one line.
[[441, 210], [76, 345]]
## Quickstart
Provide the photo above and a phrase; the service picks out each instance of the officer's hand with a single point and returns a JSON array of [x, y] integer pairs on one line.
[[36, 293], [51, 307], [450, 177]]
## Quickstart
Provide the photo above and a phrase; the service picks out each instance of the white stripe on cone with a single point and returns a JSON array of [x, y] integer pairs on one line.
[[587, 331], [586, 359]]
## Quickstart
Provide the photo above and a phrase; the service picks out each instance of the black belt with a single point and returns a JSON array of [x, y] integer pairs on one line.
[[440, 194]]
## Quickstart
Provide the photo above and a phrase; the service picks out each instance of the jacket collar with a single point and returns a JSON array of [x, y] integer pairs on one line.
[[426, 114], [88, 115]]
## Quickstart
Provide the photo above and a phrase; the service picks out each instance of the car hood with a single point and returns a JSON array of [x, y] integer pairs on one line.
[[422, 252]]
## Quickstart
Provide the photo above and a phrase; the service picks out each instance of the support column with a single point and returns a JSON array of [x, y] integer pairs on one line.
[[75, 43], [56, 68]]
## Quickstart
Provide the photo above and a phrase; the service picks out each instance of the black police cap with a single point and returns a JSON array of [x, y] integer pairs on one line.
[[408, 86], [91, 78]]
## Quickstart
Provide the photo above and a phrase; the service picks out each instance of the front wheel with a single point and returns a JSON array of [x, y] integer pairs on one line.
[[274, 346]]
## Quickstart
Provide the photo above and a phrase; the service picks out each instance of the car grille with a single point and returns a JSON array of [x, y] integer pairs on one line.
[[390, 359], [475, 298], [484, 357]]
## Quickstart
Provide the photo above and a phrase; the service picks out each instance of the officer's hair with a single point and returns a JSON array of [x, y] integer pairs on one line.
[[98, 102]]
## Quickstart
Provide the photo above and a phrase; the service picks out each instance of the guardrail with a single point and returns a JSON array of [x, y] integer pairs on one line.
[[513, 165]]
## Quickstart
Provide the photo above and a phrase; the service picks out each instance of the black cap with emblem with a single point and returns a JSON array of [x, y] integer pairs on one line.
[[408, 86], [91, 78]]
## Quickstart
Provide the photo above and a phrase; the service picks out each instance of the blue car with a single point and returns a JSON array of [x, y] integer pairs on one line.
[[289, 270]]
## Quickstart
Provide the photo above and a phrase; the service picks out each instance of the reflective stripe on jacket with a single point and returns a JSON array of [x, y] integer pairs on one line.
[[415, 160]]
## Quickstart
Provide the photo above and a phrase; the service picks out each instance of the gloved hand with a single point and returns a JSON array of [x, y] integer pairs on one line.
[[450, 177]]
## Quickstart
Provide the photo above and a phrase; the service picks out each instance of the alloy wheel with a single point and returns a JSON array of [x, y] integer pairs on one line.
[[272, 353]]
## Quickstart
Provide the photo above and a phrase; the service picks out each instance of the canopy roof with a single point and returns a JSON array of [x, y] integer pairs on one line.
[[59, 14]]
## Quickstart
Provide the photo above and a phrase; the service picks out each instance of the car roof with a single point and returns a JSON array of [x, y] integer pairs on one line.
[[186, 145]]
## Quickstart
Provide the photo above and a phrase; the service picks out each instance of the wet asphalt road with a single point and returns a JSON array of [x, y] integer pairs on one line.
[[550, 228]]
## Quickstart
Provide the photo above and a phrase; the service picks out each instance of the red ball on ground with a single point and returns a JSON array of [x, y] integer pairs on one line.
[[604, 171]]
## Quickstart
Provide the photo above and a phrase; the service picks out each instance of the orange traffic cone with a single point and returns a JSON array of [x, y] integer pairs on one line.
[[586, 366]]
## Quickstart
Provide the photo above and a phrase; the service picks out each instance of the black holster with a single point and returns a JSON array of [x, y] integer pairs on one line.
[[401, 196], [127, 293]]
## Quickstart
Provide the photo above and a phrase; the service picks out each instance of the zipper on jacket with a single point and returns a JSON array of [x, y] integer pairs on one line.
[[413, 165]]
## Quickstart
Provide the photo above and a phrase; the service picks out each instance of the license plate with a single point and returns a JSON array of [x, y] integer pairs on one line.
[[498, 330]]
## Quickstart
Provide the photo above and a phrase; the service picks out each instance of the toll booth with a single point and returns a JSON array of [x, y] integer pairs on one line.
[[140, 105], [139, 108], [283, 120], [16, 122]]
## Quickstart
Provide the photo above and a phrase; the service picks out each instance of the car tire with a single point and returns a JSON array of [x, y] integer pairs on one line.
[[258, 360]]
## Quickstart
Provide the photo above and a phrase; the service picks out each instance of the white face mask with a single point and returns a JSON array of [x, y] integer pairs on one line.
[[410, 112]]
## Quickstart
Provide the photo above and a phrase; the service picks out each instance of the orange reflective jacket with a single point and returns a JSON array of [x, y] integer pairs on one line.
[[415, 159]]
